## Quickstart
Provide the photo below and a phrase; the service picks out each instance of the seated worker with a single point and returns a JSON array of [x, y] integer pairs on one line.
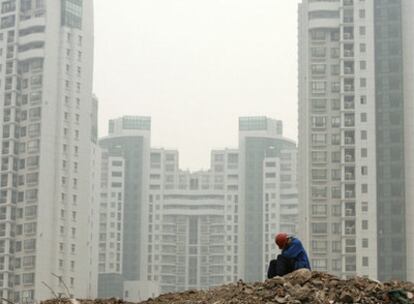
[[293, 256]]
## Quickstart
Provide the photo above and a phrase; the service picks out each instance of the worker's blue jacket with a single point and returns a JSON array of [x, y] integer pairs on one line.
[[295, 251]]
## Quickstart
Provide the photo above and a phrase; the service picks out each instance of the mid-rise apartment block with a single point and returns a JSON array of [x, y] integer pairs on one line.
[[356, 136], [46, 105]]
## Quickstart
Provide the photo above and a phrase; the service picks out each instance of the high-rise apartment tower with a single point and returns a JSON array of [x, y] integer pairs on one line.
[[356, 135], [46, 104], [123, 223]]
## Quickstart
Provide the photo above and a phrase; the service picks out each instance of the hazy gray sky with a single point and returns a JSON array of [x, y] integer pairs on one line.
[[195, 66]]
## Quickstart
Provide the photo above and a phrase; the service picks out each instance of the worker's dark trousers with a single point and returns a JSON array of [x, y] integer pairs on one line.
[[280, 267]]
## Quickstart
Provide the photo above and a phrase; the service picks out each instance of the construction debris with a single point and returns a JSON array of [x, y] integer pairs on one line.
[[299, 287]]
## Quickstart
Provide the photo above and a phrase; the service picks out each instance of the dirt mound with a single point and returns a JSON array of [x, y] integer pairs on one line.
[[301, 286]]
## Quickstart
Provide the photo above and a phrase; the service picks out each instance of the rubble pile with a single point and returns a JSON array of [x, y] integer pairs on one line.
[[301, 286]]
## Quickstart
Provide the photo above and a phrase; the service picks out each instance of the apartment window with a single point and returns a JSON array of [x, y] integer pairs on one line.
[[319, 245], [364, 152], [319, 139], [337, 265], [335, 104], [8, 21], [336, 122], [335, 35], [318, 52], [319, 105], [318, 35], [363, 82], [335, 69], [364, 188], [320, 264], [318, 69], [336, 246], [364, 135], [318, 87], [364, 170], [364, 206], [362, 47], [319, 122], [335, 52], [364, 225], [335, 87], [29, 245], [336, 192], [336, 210], [319, 227], [28, 278], [336, 157], [362, 30], [336, 139], [365, 261], [336, 175], [365, 243], [364, 117], [362, 13], [336, 228], [319, 210], [8, 6], [363, 65], [319, 192], [319, 156]]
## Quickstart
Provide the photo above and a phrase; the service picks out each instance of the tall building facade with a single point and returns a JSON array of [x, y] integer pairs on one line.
[[46, 59], [259, 138], [123, 222], [355, 136], [280, 200], [193, 240]]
